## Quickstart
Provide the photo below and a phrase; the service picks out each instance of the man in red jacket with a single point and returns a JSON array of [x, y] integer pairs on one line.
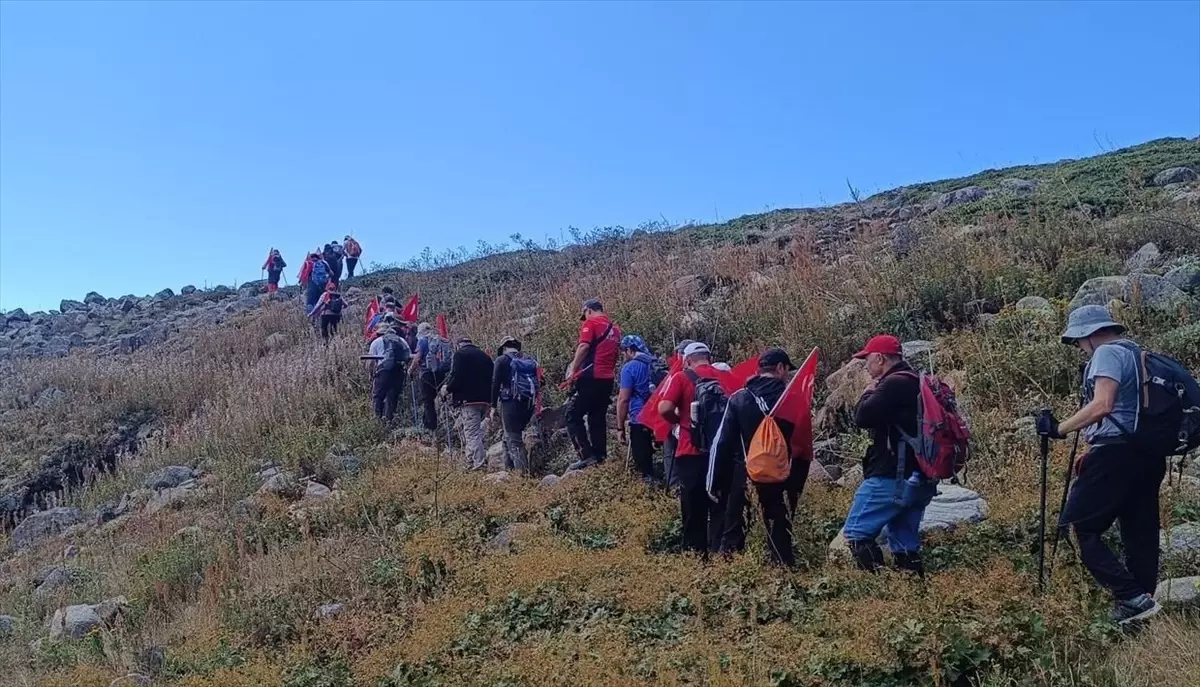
[[592, 371]]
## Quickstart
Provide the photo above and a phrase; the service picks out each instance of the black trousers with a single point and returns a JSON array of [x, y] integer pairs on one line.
[[329, 326], [641, 449], [1117, 483], [694, 505], [431, 382], [590, 404], [778, 502], [515, 416], [385, 393], [351, 263], [335, 271], [273, 277]]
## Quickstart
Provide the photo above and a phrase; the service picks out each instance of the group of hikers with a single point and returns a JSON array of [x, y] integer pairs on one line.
[[722, 429], [320, 279]]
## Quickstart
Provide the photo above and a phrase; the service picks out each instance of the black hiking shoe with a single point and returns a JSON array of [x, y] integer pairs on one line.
[[1135, 609], [583, 464]]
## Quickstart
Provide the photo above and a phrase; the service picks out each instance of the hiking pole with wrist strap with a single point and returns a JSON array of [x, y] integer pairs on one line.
[[1058, 525], [1041, 557]]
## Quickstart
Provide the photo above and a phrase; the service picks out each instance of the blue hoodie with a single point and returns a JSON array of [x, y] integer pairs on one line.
[[635, 375]]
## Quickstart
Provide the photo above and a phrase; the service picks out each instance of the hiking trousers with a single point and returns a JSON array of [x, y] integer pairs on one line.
[[312, 294], [430, 383], [887, 502], [351, 263], [778, 503], [515, 415], [273, 280], [1117, 483], [694, 504], [587, 420], [385, 393], [641, 449], [470, 423], [670, 474], [329, 326]]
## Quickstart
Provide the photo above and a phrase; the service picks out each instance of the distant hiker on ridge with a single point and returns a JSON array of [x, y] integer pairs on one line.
[[333, 255], [353, 253], [274, 267], [314, 276], [328, 311]]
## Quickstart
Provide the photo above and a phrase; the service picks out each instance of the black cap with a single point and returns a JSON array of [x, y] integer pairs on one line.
[[774, 356], [387, 290]]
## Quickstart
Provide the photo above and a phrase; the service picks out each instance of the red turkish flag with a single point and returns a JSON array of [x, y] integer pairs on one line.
[[730, 381], [409, 313], [372, 311], [795, 406], [443, 331]]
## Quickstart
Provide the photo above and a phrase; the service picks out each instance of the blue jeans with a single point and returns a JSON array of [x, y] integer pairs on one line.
[[884, 504], [312, 294]]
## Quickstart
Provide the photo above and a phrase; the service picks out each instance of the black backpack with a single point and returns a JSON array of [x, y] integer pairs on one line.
[[335, 305], [1169, 417], [395, 353], [658, 372], [707, 411]]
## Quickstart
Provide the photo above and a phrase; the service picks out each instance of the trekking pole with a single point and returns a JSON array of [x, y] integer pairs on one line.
[[412, 388], [1062, 506], [1041, 581]]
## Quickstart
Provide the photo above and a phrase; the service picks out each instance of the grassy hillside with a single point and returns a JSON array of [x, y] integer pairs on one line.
[[449, 578]]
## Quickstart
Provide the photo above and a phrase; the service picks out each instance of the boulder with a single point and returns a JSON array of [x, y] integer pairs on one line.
[[1143, 258], [1016, 185], [1036, 303], [283, 484], [67, 305], [7, 624], [692, 286], [328, 611], [759, 280], [1180, 590], [170, 476], [818, 473], [496, 477], [1185, 278], [71, 552], [1174, 175], [56, 578], [93, 298], [1150, 290], [242, 305], [43, 525], [1183, 538], [187, 290], [969, 194], [171, 496], [495, 454], [164, 295], [316, 491], [17, 315], [845, 386], [954, 506], [550, 481], [74, 622], [827, 451], [504, 539], [275, 341], [693, 320], [851, 479]]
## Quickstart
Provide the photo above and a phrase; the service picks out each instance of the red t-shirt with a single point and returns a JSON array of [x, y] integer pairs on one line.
[[603, 355], [680, 390]]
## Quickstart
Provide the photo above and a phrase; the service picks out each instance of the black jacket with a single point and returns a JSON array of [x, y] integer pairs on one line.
[[501, 376], [470, 378], [889, 407], [738, 425]]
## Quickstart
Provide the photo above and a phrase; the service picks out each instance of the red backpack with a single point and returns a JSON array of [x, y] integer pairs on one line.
[[942, 443]]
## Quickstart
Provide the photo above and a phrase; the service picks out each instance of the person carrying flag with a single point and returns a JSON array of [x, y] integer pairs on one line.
[[766, 394], [274, 267], [374, 308], [353, 250]]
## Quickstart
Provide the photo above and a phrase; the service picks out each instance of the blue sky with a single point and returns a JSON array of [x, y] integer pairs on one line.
[[163, 144]]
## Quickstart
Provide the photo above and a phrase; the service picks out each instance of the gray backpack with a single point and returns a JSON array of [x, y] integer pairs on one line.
[[439, 357]]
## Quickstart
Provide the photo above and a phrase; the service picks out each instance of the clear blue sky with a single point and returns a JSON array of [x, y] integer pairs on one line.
[[163, 144]]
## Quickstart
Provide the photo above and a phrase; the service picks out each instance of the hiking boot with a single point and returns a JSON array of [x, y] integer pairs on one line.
[[1137, 608], [910, 562], [583, 464]]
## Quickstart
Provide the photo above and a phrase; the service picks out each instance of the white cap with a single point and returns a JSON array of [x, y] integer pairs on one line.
[[694, 348], [724, 367]]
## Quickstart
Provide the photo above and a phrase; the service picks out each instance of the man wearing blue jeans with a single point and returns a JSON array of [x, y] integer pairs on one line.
[[894, 494]]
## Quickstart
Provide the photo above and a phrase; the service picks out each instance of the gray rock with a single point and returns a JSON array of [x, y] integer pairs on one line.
[[43, 525], [126, 304], [316, 491], [1181, 590], [1143, 259], [71, 552], [495, 453], [49, 397], [1152, 290], [503, 540], [916, 349], [276, 341], [969, 194], [67, 305], [693, 320], [110, 609], [329, 611], [170, 476], [1016, 185], [55, 579], [1034, 303], [169, 497], [17, 315], [817, 473], [1185, 278], [1025, 428], [164, 295], [242, 305], [904, 238], [550, 481], [283, 484], [1174, 175], [759, 280], [851, 478], [827, 451], [1183, 538], [131, 680], [74, 622], [7, 624], [93, 298], [187, 290], [954, 506], [496, 477]]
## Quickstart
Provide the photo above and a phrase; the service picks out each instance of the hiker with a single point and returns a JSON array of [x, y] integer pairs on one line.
[[678, 406], [314, 276], [894, 493], [670, 474], [639, 374], [591, 371], [388, 370], [515, 388], [333, 255], [328, 311], [431, 365], [353, 253], [387, 307], [274, 267], [469, 386], [1118, 477], [373, 309], [735, 442]]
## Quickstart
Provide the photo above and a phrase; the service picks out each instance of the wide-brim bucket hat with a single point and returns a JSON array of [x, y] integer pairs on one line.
[[1087, 320]]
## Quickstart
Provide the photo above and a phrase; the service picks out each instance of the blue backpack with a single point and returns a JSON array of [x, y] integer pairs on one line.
[[523, 378], [320, 273], [1169, 418]]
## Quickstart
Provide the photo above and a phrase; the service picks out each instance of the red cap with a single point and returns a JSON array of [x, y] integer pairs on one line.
[[884, 343]]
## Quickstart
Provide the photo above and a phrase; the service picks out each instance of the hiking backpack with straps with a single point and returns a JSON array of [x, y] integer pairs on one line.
[[707, 411], [658, 372], [523, 378], [769, 457], [941, 445], [439, 355], [395, 353], [1168, 419], [335, 305], [320, 273]]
